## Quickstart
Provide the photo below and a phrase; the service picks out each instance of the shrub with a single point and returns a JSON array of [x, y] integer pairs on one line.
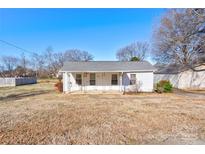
[[168, 87], [59, 86], [135, 59], [164, 86]]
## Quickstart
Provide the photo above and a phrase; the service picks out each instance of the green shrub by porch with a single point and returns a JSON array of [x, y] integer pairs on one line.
[[164, 86]]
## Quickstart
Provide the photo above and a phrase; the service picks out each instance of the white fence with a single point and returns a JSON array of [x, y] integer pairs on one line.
[[184, 80], [5, 82]]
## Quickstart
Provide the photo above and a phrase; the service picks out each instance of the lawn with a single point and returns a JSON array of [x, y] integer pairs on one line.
[[36, 114]]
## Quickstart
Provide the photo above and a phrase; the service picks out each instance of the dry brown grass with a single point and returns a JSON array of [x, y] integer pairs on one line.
[[35, 114]]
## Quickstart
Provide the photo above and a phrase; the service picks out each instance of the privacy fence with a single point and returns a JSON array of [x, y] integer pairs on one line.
[[4, 82], [184, 80]]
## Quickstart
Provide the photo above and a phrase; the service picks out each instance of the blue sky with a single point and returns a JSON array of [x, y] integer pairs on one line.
[[98, 31]]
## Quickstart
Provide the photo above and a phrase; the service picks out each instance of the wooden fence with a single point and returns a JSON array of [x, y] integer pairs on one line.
[[6, 82]]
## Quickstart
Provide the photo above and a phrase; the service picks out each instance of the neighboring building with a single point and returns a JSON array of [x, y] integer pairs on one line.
[[108, 76], [182, 77]]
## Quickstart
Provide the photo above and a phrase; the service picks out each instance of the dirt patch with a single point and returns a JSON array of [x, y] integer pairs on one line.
[[145, 118]]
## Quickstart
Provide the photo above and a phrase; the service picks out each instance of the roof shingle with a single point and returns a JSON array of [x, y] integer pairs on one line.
[[107, 66]]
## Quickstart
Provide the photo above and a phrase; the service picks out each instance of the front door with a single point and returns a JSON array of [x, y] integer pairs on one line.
[[78, 79]]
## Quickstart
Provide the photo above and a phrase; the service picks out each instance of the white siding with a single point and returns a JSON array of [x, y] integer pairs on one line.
[[144, 82], [103, 82]]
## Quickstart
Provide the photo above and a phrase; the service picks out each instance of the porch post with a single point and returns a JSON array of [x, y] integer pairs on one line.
[[121, 73], [65, 81], [83, 84], [68, 82]]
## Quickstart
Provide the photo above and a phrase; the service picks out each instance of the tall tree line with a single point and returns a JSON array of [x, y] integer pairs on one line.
[[46, 64]]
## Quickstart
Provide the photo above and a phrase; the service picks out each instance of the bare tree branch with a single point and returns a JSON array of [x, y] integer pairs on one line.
[[136, 49], [179, 38]]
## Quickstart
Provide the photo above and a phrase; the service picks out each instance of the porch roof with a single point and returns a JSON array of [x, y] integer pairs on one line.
[[106, 66]]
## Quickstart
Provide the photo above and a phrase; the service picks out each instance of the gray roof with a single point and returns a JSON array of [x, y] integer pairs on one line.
[[174, 68], [168, 69], [107, 66]]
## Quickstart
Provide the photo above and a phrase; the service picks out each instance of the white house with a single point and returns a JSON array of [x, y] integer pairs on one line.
[[108, 76]]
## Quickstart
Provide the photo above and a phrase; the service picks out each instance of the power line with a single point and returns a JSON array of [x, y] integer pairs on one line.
[[15, 46]]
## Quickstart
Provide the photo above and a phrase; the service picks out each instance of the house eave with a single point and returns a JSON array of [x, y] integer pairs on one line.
[[126, 71]]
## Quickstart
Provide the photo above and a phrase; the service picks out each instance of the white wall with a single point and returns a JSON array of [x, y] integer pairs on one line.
[[103, 82], [185, 80], [144, 82]]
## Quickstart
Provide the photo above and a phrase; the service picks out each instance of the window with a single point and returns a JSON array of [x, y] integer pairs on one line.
[[78, 79], [132, 79], [92, 78], [114, 79]]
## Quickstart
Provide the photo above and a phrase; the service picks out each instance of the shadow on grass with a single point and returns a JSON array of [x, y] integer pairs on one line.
[[24, 95]]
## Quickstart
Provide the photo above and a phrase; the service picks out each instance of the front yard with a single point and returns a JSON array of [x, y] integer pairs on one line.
[[35, 114]]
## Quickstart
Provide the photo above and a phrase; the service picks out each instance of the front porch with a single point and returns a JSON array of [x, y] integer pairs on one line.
[[93, 82]]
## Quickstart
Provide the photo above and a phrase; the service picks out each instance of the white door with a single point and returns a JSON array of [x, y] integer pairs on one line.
[[78, 79]]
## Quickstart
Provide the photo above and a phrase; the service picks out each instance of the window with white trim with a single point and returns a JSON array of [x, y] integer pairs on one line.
[[92, 78], [132, 79], [78, 79], [114, 80]]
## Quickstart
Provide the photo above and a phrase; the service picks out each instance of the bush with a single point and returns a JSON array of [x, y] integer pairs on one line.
[[135, 59], [59, 86], [164, 86]]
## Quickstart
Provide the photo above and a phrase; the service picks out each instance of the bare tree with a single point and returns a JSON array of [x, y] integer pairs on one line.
[[54, 61], [10, 63], [38, 63], [59, 59], [46, 64], [136, 49], [23, 64], [2, 70], [50, 60], [23, 61], [179, 38], [77, 55]]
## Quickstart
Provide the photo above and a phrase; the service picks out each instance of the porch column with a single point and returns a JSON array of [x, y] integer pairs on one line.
[[65, 81], [68, 82], [121, 81], [83, 82]]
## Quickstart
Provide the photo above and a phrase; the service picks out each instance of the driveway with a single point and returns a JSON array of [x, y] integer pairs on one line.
[[189, 93]]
